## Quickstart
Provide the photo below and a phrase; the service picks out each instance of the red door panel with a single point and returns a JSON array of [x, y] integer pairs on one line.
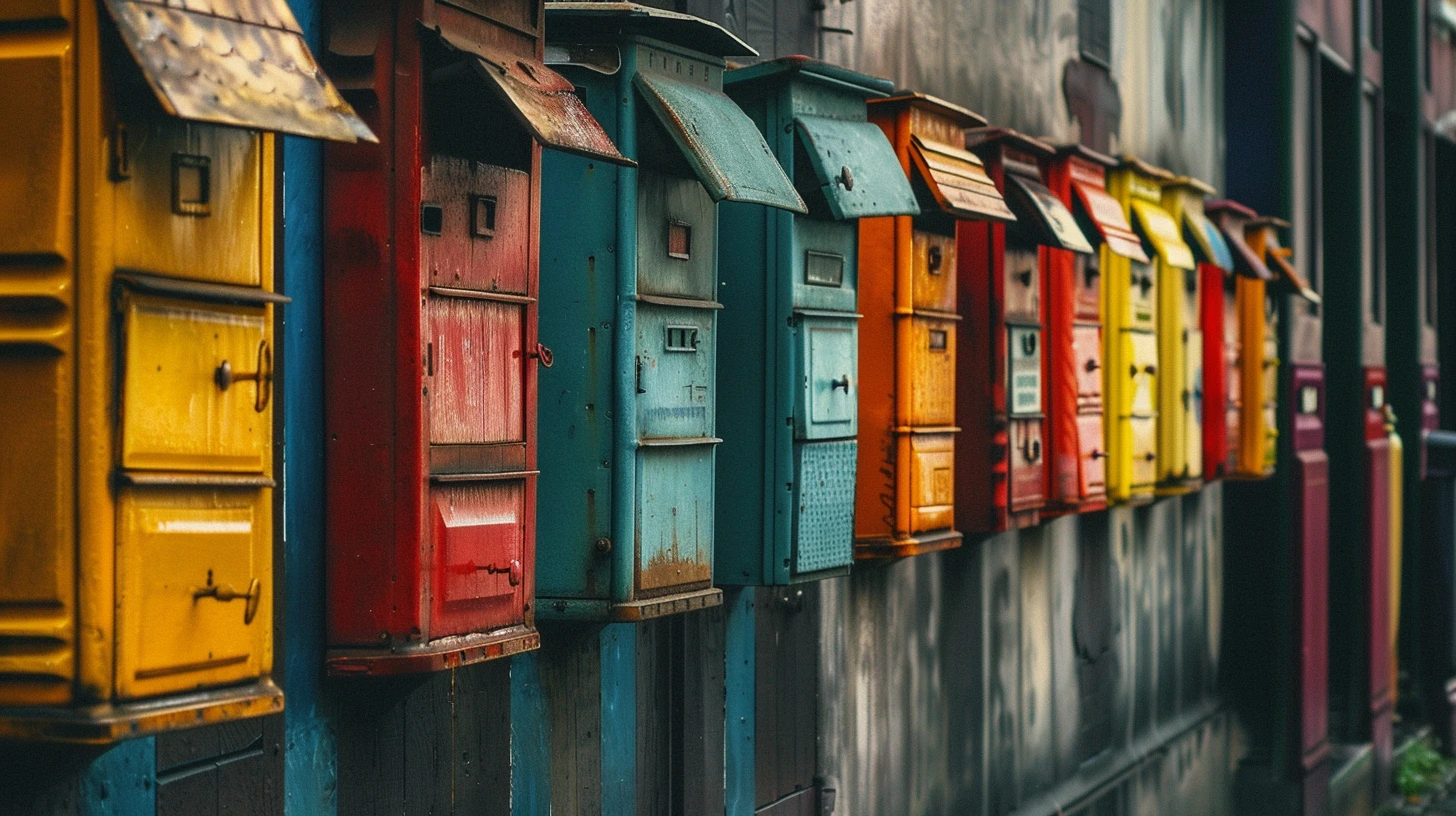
[[474, 226], [474, 350], [479, 537]]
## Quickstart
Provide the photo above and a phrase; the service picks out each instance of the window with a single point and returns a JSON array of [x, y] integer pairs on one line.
[[1094, 30]]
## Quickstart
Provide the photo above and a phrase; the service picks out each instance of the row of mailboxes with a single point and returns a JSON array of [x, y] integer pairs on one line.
[[931, 327], [137, 351]]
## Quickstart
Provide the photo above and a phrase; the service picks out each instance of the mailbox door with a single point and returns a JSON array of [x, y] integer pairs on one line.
[[1022, 283], [826, 265], [474, 226], [188, 205], [185, 405], [1233, 347], [481, 565], [1142, 351], [1024, 386], [676, 237], [1093, 454], [1193, 388], [1142, 296], [1087, 349], [1271, 386], [933, 284], [674, 517], [932, 371], [1088, 283], [194, 586], [823, 504], [476, 368], [932, 481], [827, 370], [675, 372], [1027, 464]]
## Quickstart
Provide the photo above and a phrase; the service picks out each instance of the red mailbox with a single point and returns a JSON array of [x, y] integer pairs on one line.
[[430, 329], [1076, 444], [1000, 404]]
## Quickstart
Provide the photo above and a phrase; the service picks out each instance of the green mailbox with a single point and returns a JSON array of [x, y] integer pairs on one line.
[[629, 281], [788, 399]]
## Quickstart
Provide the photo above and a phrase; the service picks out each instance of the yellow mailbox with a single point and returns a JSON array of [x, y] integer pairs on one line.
[[137, 357], [1131, 355], [1181, 394]]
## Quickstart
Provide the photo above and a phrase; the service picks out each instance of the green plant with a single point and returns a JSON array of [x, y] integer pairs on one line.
[[1421, 771]]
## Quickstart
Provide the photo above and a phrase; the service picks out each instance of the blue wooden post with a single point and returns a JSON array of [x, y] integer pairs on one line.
[[530, 739], [739, 769], [122, 781], [310, 760]]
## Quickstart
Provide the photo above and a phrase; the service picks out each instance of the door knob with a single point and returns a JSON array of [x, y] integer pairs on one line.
[[262, 374], [224, 593], [842, 382]]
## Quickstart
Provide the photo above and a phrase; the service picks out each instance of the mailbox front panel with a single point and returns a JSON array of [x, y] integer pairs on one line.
[[1087, 352], [675, 518], [1258, 368], [1180, 344], [475, 226], [1021, 289], [931, 476], [195, 582], [828, 350], [823, 504], [1028, 480], [675, 372], [476, 365], [184, 403], [826, 265], [931, 364], [188, 206], [677, 246], [933, 259], [1233, 347], [482, 562]]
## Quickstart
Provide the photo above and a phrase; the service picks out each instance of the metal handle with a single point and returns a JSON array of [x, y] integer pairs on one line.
[[1092, 364], [1031, 449], [846, 177], [1097, 454], [262, 374], [842, 382], [1024, 276], [225, 593], [512, 570], [1150, 369], [1150, 456], [1028, 344], [544, 355], [933, 260], [1145, 283]]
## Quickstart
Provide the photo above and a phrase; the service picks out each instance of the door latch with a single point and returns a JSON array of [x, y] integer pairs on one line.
[[262, 374], [544, 355], [224, 593]]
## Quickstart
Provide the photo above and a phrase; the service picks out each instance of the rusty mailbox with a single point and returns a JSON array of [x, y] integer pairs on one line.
[[1182, 335], [630, 260], [905, 485], [431, 352], [136, 358], [1076, 444], [1000, 391], [1130, 343], [788, 398]]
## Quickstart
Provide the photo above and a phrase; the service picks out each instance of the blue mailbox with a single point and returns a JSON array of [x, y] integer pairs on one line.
[[788, 400], [629, 288]]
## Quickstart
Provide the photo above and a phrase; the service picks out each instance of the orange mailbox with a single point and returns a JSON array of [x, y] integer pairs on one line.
[[905, 483], [1076, 442], [1000, 396]]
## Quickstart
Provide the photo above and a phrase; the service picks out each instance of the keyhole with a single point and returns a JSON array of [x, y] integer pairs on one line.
[[934, 260]]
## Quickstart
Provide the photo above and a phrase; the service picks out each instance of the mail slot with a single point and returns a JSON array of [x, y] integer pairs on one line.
[[137, 454], [914, 347], [1134, 410], [1182, 335], [1001, 404], [431, 344], [1073, 363], [631, 500], [789, 410]]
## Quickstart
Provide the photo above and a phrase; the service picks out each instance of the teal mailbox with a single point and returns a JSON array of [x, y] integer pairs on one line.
[[788, 396], [629, 308]]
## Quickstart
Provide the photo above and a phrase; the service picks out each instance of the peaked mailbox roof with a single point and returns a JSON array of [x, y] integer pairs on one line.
[[787, 69], [1039, 212], [1278, 257], [1106, 216], [958, 181], [1163, 233], [542, 101], [1232, 218], [235, 62], [591, 20], [1202, 235], [856, 168], [719, 142]]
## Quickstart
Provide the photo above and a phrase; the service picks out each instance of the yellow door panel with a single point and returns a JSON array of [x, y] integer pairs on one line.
[[1142, 296], [1143, 434], [188, 204], [1142, 371], [934, 279], [932, 371], [35, 166], [1198, 402], [197, 386], [194, 574], [932, 482]]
